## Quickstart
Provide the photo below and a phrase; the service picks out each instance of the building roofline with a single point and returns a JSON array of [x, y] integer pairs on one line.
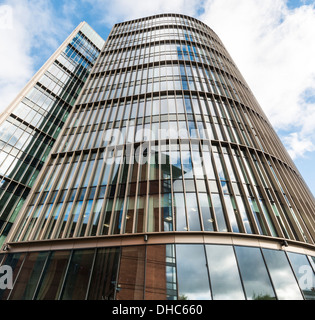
[[163, 15]]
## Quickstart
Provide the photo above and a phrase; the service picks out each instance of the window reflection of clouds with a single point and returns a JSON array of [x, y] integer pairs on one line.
[[193, 280], [282, 276], [224, 275], [254, 274], [304, 273]]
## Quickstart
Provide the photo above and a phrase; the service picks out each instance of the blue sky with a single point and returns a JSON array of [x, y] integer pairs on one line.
[[271, 41]]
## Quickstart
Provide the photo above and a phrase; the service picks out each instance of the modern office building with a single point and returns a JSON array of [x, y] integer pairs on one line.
[[167, 182], [30, 126]]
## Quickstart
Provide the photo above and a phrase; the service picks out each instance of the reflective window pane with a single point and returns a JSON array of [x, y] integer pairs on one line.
[[78, 275], [14, 260], [193, 212], [281, 275], [26, 283], [160, 273], [304, 273], [153, 213], [218, 209], [224, 275], [254, 274], [131, 274], [180, 215], [104, 277], [192, 274], [166, 212], [53, 275], [205, 205]]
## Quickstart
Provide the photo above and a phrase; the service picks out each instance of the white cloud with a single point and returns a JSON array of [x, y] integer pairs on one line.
[[298, 145], [30, 39]]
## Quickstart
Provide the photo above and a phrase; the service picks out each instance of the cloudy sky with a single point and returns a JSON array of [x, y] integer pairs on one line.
[[271, 41]]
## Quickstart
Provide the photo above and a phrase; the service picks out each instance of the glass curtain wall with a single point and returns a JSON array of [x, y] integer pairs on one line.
[[167, 137], [161, 272]]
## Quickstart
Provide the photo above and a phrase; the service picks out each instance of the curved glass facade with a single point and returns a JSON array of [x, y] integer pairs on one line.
[[165, 122], [161, 272], [167, 138]]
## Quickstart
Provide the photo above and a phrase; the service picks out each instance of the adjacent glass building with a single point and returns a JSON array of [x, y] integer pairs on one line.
[[167, 181], [31, 124]]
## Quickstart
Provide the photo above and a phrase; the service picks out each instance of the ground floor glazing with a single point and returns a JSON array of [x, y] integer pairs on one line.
[[161, 272]]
